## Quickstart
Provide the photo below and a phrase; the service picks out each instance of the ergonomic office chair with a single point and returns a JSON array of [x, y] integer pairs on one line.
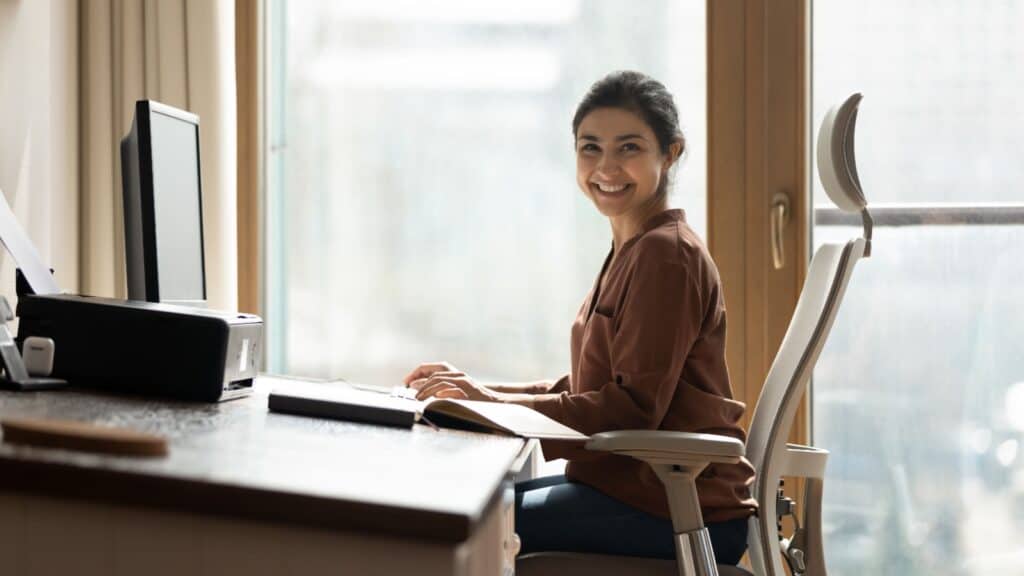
[[678, 457]]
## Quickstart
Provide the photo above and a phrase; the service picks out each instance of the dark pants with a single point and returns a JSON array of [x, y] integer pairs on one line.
[[554, 514]]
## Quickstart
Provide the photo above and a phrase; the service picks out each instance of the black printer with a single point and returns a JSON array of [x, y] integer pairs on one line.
[[146, 348]]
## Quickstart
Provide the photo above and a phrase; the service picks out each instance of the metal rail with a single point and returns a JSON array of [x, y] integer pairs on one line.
[[896, 215]]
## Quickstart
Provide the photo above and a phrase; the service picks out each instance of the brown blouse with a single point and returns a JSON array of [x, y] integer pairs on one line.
[[648, 352]]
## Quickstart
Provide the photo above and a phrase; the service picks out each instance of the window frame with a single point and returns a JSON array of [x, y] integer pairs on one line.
[[249, 46], [758, 94]]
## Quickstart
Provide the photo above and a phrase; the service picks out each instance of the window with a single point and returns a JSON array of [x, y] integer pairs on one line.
[[919, 393], [421, 188]]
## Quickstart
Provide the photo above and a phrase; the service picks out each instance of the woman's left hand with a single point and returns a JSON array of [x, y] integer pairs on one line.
[[453, 385]]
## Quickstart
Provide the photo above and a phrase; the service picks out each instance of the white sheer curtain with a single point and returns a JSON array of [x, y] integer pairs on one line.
[[180, 52], [39, 138]]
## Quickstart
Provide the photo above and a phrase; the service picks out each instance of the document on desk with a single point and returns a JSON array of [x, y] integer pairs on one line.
[[508, 418], [348, 403]]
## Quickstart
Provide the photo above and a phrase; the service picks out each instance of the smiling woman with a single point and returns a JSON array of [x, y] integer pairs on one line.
[[647, 349]]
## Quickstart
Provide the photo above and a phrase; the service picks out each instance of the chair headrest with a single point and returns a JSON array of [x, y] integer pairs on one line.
[[837, 165]]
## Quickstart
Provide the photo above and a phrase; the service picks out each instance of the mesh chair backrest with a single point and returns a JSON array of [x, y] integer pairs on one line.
[[787, 380]]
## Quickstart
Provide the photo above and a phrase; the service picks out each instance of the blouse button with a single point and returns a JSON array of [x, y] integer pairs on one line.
[[618, 379]]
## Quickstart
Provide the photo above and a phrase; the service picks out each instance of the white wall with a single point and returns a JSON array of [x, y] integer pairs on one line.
[[39, 131]]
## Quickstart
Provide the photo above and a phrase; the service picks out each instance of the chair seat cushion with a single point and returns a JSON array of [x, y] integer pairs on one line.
[[572, 564]]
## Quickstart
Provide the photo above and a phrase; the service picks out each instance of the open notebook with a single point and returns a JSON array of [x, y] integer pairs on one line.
[[344, 402]]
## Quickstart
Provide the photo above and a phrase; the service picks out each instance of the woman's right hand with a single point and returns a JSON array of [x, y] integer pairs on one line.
[[442, 380], [423, 372]]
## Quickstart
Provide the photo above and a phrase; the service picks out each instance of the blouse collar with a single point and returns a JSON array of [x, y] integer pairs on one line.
[[659, 219]]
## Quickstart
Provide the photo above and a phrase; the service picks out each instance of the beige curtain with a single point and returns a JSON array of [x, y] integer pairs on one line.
[[179, 52]]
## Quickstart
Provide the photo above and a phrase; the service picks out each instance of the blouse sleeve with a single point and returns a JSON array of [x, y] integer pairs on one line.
[[656, 325], [561, 385]]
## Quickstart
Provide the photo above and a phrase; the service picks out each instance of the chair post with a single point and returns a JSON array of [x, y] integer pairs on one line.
[[815, 547], [694, 554]]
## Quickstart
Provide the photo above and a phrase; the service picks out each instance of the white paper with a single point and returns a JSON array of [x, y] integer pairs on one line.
[[25, 256]]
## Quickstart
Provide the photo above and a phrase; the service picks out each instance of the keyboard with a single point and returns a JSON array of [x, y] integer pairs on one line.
[[403, 392]]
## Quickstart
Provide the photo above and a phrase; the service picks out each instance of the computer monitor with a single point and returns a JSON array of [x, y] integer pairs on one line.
[[163, 214]]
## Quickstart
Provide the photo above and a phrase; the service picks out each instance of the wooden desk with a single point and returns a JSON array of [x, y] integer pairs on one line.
[[248, 491]]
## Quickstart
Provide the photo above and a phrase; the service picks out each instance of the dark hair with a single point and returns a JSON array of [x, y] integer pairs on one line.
[[640, 94]]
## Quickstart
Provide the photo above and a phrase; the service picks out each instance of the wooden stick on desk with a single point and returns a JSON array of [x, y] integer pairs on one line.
[[81, 436]]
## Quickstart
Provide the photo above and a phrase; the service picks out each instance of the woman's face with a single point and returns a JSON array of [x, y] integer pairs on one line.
[[619, 164]]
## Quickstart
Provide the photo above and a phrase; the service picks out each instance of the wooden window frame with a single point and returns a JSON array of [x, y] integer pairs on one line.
[[758, 131], [248, 78]]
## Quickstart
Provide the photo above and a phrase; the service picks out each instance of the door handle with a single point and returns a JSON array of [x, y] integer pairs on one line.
[[779, 217]]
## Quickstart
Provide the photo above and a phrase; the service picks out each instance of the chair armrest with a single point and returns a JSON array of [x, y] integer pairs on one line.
[[803, 461], [677, 458], [665, 445]]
